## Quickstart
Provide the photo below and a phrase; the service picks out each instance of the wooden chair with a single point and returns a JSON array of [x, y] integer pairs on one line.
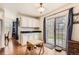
[[41, 47], [7, 38], [38, 49], [30, 49]]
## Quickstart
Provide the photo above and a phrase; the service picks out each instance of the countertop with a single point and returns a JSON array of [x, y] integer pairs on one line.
[[30, 31]]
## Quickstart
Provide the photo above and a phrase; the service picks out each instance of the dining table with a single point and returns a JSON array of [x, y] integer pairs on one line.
[[36, 44]]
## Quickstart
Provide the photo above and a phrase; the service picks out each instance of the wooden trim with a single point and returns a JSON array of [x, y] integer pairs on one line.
[[76, 22], [76, 14]]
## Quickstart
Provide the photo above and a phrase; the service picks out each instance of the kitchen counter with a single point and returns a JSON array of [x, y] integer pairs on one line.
[[30, 31], [27, 35]]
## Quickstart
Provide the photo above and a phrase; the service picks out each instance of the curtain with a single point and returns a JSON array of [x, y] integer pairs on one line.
[[44, 30], [70, 24]]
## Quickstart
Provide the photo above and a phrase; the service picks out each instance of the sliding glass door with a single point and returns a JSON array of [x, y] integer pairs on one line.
[[50, 31], [56, 31], [61, 26]]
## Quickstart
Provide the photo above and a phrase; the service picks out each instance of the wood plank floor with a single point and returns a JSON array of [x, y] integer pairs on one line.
[[14, 48]]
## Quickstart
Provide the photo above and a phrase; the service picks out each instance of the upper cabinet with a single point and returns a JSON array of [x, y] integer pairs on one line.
[[29, 22]]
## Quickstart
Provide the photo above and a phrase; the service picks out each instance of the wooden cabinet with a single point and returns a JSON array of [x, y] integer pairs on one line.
[[73, 47]]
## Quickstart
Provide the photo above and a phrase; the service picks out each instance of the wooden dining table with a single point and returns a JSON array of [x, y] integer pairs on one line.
[[37, 44]]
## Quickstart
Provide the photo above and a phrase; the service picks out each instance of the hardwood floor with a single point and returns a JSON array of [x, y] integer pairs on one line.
[[14, 48]]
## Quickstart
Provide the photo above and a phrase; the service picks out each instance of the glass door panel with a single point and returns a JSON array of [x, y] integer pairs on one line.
[[61, 31], [50, 31], [56, 29]]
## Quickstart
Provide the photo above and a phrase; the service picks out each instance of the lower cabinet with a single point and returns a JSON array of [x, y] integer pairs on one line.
[[28, 36]]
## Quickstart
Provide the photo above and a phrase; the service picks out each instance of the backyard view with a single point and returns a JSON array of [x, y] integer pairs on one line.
[[55, 32]]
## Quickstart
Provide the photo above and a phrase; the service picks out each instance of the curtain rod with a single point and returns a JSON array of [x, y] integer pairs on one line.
[[59, 12]]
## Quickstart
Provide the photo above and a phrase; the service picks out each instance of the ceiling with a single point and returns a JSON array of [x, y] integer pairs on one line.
[[31, 8]]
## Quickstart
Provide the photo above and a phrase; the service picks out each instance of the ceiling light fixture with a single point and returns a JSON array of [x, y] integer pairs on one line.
[[41, 8]]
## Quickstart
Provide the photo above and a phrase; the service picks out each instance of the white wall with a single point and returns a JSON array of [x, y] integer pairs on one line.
[[1, 18], [1, 14], [8, 17]]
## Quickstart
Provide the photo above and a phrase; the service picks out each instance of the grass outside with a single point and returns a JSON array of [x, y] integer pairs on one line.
[[58, 36]]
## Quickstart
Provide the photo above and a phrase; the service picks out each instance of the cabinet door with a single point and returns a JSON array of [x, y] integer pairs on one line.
[[25, 37], [31, 36], [24, 22], [29, 22], [36, 36]]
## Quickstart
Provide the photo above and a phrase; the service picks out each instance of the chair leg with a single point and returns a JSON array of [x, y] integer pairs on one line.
[[41, 49], [26, 51]]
